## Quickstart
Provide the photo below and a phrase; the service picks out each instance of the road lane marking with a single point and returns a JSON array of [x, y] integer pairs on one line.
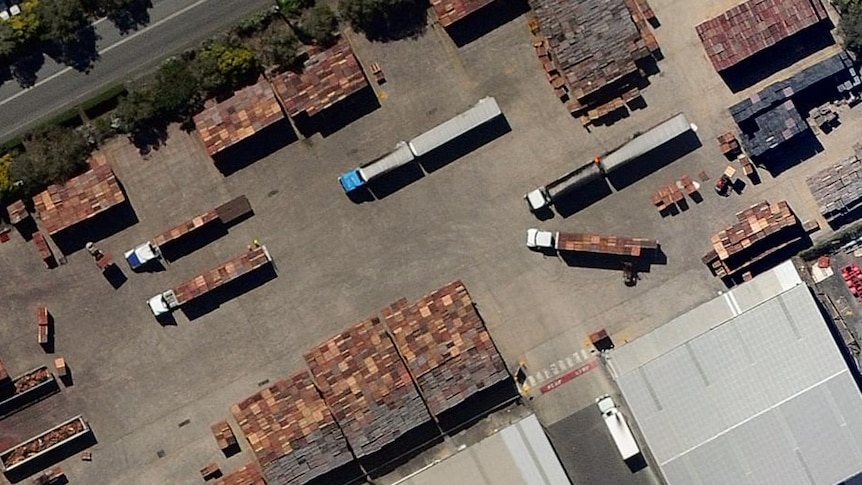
[[107, 49]]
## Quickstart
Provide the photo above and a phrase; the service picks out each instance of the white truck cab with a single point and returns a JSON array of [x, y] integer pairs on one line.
[[537, 239]]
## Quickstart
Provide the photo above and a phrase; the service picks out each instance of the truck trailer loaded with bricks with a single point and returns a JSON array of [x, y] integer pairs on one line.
[[581, 177], [251, 260], [589, 243]]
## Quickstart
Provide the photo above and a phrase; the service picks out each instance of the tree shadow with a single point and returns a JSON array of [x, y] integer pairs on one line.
[[133, 17], [407, 19], [24, 70], [80, 54], [149, 136]]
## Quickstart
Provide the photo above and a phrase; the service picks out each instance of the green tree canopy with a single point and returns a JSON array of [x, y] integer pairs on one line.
[[292, 9], [221, 67], [851, 23], [6, 181], [52, 156], [278, 48], [61, 20], [384, 19], [320, 24], [27, 24], [177, 88]]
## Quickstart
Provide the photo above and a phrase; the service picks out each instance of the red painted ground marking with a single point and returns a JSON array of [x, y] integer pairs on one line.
[[576, 372]]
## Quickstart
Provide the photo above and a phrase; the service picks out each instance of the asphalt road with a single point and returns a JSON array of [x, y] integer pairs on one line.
[[173, 26]]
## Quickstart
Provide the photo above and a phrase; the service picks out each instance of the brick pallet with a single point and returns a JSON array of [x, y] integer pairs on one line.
[[837, 189], [291, 431], [446, 346], [17, 212], [45, 253], [595, 243], [366, 386], [246, 475], [42, 322], [181, 230], [223, 435], [228, 271]]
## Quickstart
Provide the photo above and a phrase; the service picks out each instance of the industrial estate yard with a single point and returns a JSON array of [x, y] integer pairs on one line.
[[150, 391]]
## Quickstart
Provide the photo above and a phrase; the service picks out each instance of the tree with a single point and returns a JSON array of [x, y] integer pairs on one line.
[[851, 23], [52, 156], [384, 19], [8, 41], [61, 20], [26, 25], [292, 9], [137, 109], [221, 68], [6, 181], [320, 23], [177, 88], [278, 48]]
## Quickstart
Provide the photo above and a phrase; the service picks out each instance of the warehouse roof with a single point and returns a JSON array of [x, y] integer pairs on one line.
[[249, 110], [446, 346], [80, 198], [291, 431], [367, 387], [246, 475], [450, 11], [519, 454], [747, 388], [327, 77], [751, 27]]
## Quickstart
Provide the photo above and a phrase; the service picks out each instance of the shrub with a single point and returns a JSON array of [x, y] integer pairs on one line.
[[320, 24]]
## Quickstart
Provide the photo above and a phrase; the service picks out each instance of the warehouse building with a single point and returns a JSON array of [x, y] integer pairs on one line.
[[750, 387]]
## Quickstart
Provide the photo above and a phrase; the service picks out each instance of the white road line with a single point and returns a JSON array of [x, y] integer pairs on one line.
[[107, 49]]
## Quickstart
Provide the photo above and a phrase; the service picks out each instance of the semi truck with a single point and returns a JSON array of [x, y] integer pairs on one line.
[[151, 250], [242, 264], [405, 152], [618, 427], [638, 146], [589, 243]]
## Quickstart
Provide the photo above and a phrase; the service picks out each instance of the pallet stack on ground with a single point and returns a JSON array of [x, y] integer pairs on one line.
[[223, 435], [753, 26], [45, 253], [225, 272], [248, 474], [367, 387], [79, 198], [446, 346], [761, 230], [591, 50], [595, 243], [291, 431], [250, 110], [43, 319], [17, 212], [838, 189]]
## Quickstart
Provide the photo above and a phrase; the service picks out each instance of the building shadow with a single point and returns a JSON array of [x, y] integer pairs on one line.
[[97, 228], [580, 199], [485, 20], [52, 457], [264, 143], [403, 449], [790, 153], [464, 144], [338, 115], [178, 248], [777, 57], [211, 300], [393, 181], [654, 159], [478, 406]]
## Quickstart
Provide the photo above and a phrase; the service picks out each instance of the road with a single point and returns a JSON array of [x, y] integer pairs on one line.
[[174, 25]]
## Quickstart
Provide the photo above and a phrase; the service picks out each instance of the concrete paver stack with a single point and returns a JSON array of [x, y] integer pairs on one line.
[[838, 189], [245, 475]]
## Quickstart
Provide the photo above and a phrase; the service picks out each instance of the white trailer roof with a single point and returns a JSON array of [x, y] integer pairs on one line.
[[482, 112], [401, 155], [641, 144]]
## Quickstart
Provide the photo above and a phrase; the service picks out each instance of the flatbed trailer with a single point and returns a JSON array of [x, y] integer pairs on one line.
[[590, 243], [230, 270]]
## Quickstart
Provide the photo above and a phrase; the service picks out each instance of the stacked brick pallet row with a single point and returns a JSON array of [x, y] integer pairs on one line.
[[327, 77], [186, 227], [246, 475], [740, 241], [223, 435], [291, 431], [17, 212], [450, 11], [80, 198], [367, 387], [216, 277], [753, 26], [248, 111], [594, 243], [446, 347], [838, 189]]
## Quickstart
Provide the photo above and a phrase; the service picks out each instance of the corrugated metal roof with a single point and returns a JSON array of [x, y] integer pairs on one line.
[[482, 112], [643, 143], [759, 394]]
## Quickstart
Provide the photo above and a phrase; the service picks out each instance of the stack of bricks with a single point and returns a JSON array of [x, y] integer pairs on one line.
[[17, 212], [594, 46], [246, 475], [291, 431], [45, 253], [42, 322], [220, 275], [753, 26], [367, 387], [742, 243], [328, 76], [450, 11], [447, 349], [80, 198], [728, 144], [223, 435], [838, 189], [248, 111], [186, 227], [594, 243]]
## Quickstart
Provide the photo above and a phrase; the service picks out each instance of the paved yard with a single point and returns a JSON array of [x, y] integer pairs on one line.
[[338, 261]]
